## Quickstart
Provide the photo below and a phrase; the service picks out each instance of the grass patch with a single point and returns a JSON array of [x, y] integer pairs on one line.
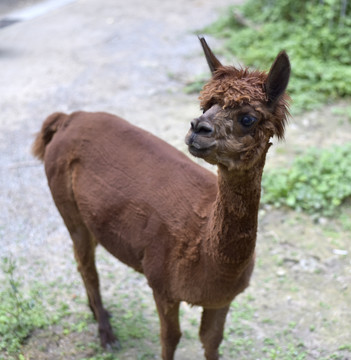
[[344, 112], [238, 334], [318, 182], [20, 312], [315, 34], [195, 86], [23, 311], [275, 351], [131, 321]]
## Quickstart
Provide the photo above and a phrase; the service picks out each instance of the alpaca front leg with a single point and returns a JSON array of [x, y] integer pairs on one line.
[[211, 331], [170, 330]]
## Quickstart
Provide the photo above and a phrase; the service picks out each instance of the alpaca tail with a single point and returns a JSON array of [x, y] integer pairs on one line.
[[49, 128]]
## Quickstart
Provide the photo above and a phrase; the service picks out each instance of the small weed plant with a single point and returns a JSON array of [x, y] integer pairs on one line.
[[20, 314], [318, 181], [316, 35]]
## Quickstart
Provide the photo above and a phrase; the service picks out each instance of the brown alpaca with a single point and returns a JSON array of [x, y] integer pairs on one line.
[[191, 233]]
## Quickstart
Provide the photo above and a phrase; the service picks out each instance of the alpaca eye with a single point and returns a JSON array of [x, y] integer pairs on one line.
[[247, 120]]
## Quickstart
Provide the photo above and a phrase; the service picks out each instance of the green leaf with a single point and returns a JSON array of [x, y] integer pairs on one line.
[[318, 181]]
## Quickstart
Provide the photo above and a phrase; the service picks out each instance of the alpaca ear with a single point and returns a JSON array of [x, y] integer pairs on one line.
[[278, 78], [212, 61]]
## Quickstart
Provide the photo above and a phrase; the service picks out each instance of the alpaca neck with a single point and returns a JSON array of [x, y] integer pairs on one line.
[[233, 224]]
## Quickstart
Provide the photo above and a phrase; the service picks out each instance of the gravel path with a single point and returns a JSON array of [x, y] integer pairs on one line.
[[133, 58], [130, 58]]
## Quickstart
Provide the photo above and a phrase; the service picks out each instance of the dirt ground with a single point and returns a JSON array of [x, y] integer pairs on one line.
[[133, 59]]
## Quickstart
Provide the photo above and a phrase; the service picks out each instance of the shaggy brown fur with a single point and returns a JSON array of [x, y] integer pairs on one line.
[[233, 88], [191, 233]]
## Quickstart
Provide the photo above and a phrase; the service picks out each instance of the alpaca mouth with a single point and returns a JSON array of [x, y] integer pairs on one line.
[[200, 143], [199, 152], [199, 146]]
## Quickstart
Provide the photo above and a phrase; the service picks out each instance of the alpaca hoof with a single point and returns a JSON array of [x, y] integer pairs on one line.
[[108, 340], [115, 345], [212, 355]]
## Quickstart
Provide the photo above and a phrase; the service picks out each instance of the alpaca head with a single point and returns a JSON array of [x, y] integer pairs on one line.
[[242, 110]]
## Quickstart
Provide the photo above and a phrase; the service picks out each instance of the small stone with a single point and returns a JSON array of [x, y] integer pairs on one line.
[[340, 252], [322, 220], [281, 272]]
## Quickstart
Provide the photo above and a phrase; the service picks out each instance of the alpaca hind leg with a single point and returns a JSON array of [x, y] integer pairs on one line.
[[84, 251], [170, 330], [211, 331]]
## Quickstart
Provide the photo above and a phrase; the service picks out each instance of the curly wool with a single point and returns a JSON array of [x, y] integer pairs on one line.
[[230, 88]]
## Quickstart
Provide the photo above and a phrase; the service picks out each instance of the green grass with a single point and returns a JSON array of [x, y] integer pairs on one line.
[[343, 112], [20, 312], [275, 351], [315, 34], [24, 310], [240, 335], [317, 182]]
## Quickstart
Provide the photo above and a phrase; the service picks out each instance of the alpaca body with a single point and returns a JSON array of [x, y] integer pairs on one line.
[[191, 233], [132, 216]]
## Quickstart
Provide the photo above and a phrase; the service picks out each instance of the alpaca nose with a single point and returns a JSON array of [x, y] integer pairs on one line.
[[201, 127]]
